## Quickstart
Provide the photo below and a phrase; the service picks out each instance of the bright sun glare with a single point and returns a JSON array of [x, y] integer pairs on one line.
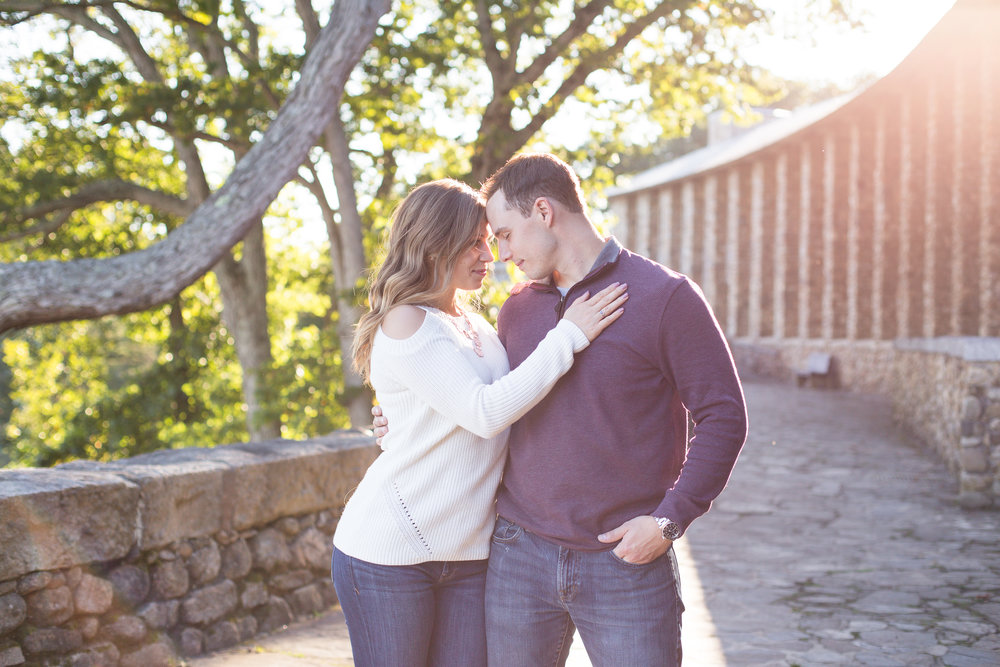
[[838, 55]]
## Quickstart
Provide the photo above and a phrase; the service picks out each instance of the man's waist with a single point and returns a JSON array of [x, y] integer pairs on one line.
[[559, 535], [573, 525]]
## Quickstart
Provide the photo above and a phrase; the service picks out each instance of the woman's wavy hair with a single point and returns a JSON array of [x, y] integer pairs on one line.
[[429, 231]]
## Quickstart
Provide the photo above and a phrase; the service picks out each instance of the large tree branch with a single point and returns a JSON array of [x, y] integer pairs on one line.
[[252, 30], [126, 39], [310, 21], [52, 291], [110, 190], [41, 228], [352, 248], [492, 148], [315, 186], [130, 43], [491, 54], [123, 36], [79, 16], [556, 49], [596, 60], [235, 145]]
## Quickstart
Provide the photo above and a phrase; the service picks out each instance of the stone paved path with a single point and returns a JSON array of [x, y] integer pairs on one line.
[[837, 542]]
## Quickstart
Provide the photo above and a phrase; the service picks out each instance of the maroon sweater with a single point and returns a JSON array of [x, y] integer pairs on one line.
[[609, 441]]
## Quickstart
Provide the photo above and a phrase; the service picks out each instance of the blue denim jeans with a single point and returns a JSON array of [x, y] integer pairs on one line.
[[413, 615], [538, 592]]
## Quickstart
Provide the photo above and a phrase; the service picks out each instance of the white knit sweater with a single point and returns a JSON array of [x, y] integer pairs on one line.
[[430, 493]]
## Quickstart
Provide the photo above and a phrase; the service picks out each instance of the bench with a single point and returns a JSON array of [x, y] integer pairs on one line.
[[817, 372]]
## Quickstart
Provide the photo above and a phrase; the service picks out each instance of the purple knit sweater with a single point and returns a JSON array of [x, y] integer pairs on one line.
[[609, 441]]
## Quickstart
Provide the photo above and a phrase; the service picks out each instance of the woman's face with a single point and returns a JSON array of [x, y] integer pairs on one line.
[[473, 264]]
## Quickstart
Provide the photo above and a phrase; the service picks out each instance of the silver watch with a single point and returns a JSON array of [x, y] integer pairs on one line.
[[668, 529]]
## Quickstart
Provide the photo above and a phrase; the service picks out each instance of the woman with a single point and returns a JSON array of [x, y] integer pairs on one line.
[[410, 553]]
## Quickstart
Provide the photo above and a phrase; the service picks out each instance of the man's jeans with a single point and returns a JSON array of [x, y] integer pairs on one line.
[[537, 592], [413, 615]]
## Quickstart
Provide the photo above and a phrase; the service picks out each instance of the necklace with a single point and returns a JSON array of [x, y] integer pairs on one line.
[[464, 326]]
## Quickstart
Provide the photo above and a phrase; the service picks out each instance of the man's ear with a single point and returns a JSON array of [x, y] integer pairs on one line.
[[545, 210]]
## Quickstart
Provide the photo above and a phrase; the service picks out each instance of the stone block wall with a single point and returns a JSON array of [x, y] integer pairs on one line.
[[945, 392], [170, 554]]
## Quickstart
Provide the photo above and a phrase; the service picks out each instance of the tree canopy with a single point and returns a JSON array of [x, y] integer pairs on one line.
[[36, 292], [155, 288]]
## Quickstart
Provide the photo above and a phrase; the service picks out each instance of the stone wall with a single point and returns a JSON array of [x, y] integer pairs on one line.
[[862, 366], [945, 392], [171, 554]]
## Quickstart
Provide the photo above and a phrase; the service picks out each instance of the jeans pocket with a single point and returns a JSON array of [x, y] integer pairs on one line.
[[632, 566], [506, 532]]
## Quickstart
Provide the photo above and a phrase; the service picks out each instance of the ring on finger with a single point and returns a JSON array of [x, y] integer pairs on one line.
[[601, 312]]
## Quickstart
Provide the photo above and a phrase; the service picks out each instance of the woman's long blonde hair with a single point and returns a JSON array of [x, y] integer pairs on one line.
[[430, 229]]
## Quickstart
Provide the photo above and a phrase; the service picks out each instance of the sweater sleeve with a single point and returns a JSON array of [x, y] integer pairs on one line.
[[694, 353], [429, 364]]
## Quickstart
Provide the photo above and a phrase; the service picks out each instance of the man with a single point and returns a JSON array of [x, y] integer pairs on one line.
[[600, 478]]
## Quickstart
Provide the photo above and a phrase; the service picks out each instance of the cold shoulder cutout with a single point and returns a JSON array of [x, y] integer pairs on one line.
[[403, 321]]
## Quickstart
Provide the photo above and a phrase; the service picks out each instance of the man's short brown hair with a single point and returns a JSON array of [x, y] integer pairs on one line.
[[528, 176]]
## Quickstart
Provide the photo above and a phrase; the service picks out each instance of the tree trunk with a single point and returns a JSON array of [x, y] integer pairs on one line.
[[243, 285], [180, 402], [6, 409], [357, 395], [348, 259], [495, 143]]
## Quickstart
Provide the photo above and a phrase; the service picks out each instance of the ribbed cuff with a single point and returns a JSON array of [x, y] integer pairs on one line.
[[580, 340]]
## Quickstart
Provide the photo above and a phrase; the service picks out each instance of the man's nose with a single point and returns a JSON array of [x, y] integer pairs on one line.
[[504, 252]]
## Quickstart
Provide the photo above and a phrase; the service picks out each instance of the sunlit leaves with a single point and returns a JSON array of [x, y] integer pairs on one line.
[[85, 110], [118, 387]]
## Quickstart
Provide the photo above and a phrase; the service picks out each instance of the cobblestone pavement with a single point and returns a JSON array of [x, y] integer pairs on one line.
[[837, 542]]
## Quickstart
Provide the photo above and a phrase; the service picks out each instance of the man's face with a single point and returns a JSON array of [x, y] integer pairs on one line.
[[525, 241]]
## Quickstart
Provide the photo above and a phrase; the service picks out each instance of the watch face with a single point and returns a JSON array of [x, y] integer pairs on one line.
[[669, 529]]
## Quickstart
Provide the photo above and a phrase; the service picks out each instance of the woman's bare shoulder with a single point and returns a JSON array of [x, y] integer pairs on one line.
[[403, 321]]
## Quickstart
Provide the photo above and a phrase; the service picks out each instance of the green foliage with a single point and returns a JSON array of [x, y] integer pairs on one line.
[[169, 377], [6, 410], [118, 387], [306, 377]]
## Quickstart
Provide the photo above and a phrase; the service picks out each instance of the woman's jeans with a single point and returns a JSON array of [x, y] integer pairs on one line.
[[413, 615], [538, 593]]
